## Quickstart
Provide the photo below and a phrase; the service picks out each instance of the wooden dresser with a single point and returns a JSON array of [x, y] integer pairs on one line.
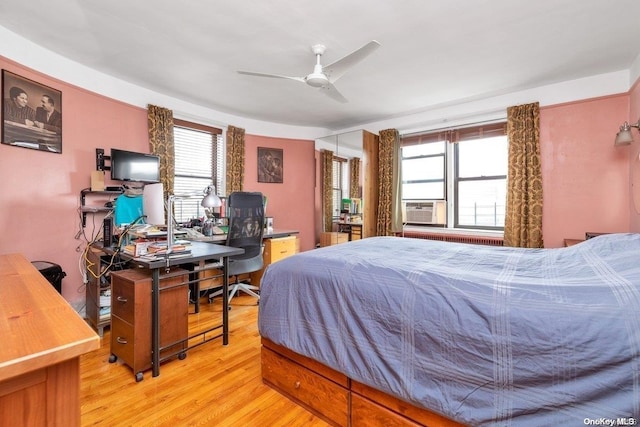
[[275, 249], [43, 339], [131, 317]]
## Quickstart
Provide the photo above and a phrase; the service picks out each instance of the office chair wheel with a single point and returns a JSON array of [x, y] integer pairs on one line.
[[182, 356], [139, 377], [113, 358]]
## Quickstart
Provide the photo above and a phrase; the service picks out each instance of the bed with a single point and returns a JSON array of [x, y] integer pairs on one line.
[[407, 331]]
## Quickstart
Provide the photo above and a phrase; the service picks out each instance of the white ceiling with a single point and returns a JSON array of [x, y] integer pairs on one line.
[[433, 53]]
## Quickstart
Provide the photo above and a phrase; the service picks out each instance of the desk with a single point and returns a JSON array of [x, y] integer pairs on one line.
[[43, 339], [200, 253], [354, 229], [221, 238]]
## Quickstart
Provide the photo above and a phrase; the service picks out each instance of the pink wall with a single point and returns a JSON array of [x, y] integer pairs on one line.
[[291, 204], [634, 155], [39, 191], [585, 178]]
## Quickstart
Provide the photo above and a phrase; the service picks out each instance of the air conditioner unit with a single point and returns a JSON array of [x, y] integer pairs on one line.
[[424, 211]]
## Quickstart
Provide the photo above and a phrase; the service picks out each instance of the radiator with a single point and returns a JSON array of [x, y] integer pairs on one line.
[[458, 238]]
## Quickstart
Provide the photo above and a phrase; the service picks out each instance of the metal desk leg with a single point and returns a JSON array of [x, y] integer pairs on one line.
[[155, 321], [225, 301], [193, 276]]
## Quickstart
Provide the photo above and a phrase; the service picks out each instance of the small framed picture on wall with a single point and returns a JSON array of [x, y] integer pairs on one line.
[[31, 114], [270, 165]]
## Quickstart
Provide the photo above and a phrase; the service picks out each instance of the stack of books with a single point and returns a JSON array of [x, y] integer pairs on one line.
[[150, 241], [152, 248]]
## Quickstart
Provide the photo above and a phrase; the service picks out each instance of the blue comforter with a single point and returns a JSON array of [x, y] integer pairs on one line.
[[483, 335]]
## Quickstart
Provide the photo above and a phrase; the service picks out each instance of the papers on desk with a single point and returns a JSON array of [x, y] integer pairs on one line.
[[161, 248], [147, 231], [140, 248]]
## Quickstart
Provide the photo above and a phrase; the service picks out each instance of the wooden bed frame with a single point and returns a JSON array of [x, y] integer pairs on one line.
[[336, 398]]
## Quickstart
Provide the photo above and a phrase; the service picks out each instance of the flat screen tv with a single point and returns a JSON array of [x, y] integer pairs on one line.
[[132, 166]]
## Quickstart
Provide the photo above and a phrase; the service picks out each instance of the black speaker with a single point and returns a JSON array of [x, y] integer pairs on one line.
[[107, 232]]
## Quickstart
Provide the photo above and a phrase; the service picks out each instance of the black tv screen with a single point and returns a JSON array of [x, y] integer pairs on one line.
[[132, 166]]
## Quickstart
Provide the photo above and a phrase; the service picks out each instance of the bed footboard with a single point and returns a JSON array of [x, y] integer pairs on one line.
[[334, 397]]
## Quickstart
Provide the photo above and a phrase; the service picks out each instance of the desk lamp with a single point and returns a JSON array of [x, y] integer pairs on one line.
[[210, 200]]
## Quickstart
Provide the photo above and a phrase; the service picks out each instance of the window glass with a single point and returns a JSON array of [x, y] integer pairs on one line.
[[423, 191], [482, 203], [482, 157], [423, 168], [424, 149], [423, 171]]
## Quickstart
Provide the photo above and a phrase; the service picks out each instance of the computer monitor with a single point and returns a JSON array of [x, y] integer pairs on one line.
[[153, 203], [132, 166]]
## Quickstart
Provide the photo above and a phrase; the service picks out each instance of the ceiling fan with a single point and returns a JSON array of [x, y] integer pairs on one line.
[[325, 77]]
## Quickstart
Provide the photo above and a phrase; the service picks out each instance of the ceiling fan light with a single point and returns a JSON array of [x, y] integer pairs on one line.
[[316, 79]]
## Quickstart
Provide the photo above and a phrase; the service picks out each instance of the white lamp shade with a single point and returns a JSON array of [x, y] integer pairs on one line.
[[624, 137]]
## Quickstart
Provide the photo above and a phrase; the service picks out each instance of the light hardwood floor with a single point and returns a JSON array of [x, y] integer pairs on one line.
[[213, 386]]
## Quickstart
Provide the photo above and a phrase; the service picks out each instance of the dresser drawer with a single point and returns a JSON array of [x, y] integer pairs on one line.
[[313, 391], [281, 248], [123, 344], [366, 413], [210, 279], [122, 299]]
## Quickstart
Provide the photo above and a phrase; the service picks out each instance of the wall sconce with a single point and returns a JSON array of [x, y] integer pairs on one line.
[[624, 136]]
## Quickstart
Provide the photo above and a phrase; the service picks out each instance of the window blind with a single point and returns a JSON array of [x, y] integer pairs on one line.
[[455, 135], [198, 163]]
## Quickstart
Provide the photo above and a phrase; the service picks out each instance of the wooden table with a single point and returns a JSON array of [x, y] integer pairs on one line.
[[571, 242], [43, 339]]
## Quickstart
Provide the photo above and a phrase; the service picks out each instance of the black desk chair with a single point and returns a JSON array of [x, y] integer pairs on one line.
[[246, 226]]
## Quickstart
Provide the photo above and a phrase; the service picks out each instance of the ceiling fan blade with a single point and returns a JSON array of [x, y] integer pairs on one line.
[[274, 76], [335, 70], [333, 93]]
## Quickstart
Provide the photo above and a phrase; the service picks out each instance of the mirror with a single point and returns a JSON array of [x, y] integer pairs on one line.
[[339, 215]]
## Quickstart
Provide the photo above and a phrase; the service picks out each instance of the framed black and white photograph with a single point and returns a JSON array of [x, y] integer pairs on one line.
[[270, 165], [31, 114]]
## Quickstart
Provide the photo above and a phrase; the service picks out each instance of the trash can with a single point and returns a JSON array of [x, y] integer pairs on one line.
[[52, 272]]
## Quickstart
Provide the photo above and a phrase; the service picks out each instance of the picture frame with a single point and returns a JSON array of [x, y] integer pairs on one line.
[[270, 165], [31, 114]]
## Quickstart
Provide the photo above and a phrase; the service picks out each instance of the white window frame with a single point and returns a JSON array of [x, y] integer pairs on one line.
[[451, 180]]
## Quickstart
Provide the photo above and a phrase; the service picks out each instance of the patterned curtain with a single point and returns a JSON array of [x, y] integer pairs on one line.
[[354, 178], [235, 159], [523, 222], [387, 155], [327, 189], [160, 123]]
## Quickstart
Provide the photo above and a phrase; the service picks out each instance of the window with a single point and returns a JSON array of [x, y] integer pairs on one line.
[[199, 162], [465, 169], [340, 175]]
